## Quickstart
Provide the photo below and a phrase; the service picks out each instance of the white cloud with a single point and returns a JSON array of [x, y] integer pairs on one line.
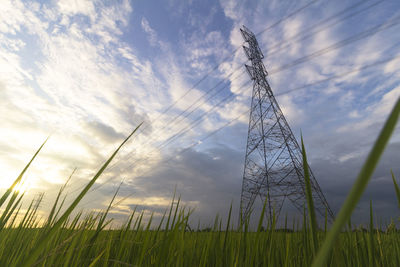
[[291, 28], [74, 7], [76, 79], [202, 49], [376, 112], [385, 105], [152, 35], [354, 114], [392, 66]]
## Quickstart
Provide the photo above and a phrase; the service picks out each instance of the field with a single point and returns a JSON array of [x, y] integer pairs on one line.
[[85, 243], [85, 240]]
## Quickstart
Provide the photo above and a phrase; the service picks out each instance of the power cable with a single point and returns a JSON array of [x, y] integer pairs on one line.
[[226, 58], [301, 60], [339, 44], [270, 27], [299, 37], [276, 95]]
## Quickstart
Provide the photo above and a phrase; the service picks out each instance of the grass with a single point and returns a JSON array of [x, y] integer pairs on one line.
[[85, 240]]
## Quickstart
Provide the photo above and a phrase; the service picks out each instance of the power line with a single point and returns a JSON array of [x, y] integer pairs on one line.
[[277, 95], [303, 59], [216, 66], [280, 94], [182, 114], [357, 11], [174, 137], [357, 37], [182, 131], [204, 77], [287, 17], [286, 92], [340, 75], [278, 47], [337, 45], [191, 146], [226, 58], [284, 67]]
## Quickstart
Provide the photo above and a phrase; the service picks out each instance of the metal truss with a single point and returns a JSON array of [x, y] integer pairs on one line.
[[273, 163]]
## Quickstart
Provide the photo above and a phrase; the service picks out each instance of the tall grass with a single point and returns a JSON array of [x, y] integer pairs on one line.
[[85, 240]]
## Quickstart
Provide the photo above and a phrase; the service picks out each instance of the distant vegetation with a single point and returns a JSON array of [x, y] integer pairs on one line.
[[85, 240]]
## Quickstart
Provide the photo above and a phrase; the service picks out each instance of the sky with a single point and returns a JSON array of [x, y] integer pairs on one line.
[[87, 73]]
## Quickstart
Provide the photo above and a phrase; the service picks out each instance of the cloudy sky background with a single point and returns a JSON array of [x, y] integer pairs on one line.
[[86, 73]]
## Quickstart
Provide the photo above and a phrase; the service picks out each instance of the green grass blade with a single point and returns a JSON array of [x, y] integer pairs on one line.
[[227, 227], [93, 263], [19, 178], [396, 188], [310, 203], [53, 213], [170, 210], [260, 221], [358, 187], [371, 255], [42, 243]]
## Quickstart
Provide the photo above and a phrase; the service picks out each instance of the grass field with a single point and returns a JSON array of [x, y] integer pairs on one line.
[[85, 240]]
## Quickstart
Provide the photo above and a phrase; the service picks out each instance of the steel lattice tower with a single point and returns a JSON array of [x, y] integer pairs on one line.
[[273, 164]]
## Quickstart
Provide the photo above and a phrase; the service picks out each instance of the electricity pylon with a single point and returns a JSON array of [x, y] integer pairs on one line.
[[273, 167]]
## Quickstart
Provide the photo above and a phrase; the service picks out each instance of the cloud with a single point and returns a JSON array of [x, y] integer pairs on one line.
[[208, 180], [103, 131], [67, 83], [152, 35], [377, 112], [75, 7], [336, 178]]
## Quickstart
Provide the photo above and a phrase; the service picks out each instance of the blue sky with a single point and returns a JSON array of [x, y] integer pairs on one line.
[[88, 72]]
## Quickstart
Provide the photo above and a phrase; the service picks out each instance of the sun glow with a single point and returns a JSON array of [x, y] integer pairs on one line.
[[9, 176], [22, 187]]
